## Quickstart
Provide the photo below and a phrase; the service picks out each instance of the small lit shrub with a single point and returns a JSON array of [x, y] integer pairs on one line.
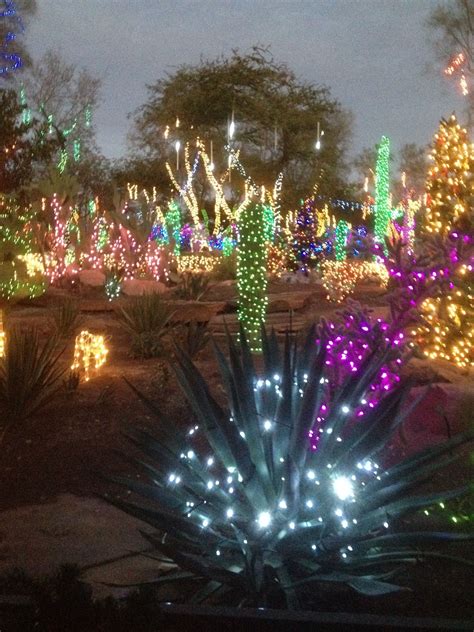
[[286, 484]]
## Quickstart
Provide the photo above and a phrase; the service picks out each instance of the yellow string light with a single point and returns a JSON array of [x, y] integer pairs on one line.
[[196, 263], [2, 336], [341, 277], [90, 353]]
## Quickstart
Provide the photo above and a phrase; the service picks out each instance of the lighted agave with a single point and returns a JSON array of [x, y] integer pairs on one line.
[[285, 486]]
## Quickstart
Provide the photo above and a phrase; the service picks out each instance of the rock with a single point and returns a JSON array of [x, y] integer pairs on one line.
[[138, 287], [443, 411], [185, 311], [92, 278], [71, 530], [227, 283], [289, 301], [425, 371]]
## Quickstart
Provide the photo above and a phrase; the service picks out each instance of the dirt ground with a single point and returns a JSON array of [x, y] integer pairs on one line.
[[79, 436], [60, 456]]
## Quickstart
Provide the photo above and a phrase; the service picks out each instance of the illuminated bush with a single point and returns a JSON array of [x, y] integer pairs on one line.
[[285, 487]]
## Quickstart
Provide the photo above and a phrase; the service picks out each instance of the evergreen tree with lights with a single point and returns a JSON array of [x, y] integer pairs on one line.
[[446, 331], [305, 242], [450, 183]]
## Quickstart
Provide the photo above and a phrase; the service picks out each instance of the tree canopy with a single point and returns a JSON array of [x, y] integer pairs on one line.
[[276, 120], [23, 145], [451, 27]]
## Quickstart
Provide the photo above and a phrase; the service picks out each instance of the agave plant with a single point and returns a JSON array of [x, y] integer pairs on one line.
[[29, 374], [146, 318], [195, 337], [287, 485], [66, 317]]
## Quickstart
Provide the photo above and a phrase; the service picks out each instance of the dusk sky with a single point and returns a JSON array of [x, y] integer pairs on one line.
[[372, 54]]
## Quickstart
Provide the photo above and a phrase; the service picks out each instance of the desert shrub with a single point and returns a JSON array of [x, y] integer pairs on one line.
[[66, 317], [226, 269], [64, 602], [30, 374], [72, 381], [192, 286], [147, 319], [289, 485]]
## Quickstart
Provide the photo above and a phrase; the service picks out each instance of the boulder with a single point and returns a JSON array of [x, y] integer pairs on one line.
[[92, 278], [138, 287], [199, 311], [289, 301]]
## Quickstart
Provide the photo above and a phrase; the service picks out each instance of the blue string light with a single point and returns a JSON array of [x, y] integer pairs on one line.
[[9, 61]]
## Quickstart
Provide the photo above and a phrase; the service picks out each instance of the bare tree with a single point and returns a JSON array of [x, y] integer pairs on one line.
[[451, 26], [66, 93]]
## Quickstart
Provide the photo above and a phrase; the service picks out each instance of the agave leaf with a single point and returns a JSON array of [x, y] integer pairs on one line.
[[400, 507], [412, 538], [415, 461], [205, 592], [373, 587], [311, 402], [374, 429], [389, 493]]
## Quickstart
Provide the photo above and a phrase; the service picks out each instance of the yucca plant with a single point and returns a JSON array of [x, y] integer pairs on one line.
[[193, 286], [195, 337], [147, 319], [30, 375], [288, 485], [66, 317]]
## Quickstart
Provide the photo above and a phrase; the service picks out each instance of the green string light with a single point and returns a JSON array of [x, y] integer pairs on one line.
[[382, 206], [252, 273], [26, 116], [102, 234], [76, 149], [113, 286], [173, 221], [63, 157], [342, 230], [227, 246], [269, 223]]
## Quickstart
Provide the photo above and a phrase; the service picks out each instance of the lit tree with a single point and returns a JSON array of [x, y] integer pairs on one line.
[[446, 330], [450, 178], [305, 230], [450, 25], [23, 145]]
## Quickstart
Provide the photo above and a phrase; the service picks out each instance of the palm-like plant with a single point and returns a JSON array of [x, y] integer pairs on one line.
[[285, 486], [30, 375], [193, 286], [146, 318], [66, 317]]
